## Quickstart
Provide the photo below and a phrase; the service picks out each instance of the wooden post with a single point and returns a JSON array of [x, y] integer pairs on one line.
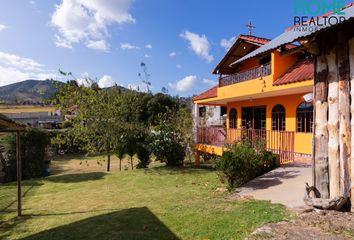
[[351, 63], [19, 174], [321, 131], [344, 112], [333, 123], [197, 158]]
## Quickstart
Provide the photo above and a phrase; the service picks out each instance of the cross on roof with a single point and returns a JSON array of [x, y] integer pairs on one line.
[[250, 27]]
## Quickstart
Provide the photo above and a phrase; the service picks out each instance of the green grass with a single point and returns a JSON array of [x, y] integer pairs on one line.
[[156, 203]]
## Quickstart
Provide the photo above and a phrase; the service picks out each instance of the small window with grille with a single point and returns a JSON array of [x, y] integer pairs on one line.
[[304, 117], [278, 118]]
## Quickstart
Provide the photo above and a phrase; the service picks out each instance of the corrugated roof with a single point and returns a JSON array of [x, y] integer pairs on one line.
[[7, 124], [293, 35], [210, 93], [302, 70]]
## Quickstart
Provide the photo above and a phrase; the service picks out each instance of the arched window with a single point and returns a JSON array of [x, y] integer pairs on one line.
[[278, 118], [233, 118], [304, 116]]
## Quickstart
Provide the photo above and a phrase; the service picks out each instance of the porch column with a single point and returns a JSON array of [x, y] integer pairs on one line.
[[196, 120], [197, 158], [19, 174]]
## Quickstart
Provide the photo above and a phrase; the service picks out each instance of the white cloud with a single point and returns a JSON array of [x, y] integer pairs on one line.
[[179, 66], [184, 84], [15, 69], [98, 45], [138, 87], [88, 20], [147, 56], [2, 27], [106, 81], [199, 44], [128, 46], [172, 54], [149, 46], [13, 60], [210, 82], [84, 79], [227, 43]]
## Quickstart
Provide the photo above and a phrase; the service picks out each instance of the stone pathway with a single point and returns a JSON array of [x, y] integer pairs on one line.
[[285, 185]]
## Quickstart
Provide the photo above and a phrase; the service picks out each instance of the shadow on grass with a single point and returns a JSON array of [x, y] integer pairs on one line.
[[76, 178], [133, 223], [7, 202], [187, 170]]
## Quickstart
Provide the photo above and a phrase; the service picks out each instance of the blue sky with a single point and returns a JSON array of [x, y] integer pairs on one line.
[[180, 41]]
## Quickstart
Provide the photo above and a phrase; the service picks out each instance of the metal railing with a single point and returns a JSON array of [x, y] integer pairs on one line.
[[278, 142], [253, 73]]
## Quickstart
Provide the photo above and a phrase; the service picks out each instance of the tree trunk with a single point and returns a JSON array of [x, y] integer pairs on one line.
[[131, 162], [120, 164], [108, 157], [321, 132], [351, 60], [333, 124], [344, 114]]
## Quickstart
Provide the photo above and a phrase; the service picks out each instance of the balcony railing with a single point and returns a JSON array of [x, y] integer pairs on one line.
[[278, 142], [253, 73]]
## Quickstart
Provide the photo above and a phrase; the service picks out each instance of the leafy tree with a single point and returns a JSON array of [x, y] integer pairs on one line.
[[97, 119]]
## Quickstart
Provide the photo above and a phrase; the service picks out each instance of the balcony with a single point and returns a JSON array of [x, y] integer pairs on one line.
[[253, 73], [278, 142]]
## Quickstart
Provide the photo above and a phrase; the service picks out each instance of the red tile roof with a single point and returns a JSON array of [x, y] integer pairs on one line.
[[303, 70], [210, 93], [254, 39]]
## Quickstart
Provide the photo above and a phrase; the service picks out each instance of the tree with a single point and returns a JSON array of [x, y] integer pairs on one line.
[[97, 119]]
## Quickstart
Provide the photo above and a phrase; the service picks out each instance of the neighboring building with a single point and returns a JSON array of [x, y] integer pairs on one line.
[[264, 98], [35, 116], [211, 116]]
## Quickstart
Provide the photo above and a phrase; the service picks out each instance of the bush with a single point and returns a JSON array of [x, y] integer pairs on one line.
[[166, 145], [244, 162], [143, 154], [34, 143]]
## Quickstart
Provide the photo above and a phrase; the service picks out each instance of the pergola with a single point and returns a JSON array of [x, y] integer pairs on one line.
[[7, 125]]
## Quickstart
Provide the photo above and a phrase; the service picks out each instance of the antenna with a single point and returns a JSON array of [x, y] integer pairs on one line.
[[250, 27]]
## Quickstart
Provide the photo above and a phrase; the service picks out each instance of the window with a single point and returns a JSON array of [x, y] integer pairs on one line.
[[202, 112], [223, 111], [233, 118], [304, 116], [278, 118]]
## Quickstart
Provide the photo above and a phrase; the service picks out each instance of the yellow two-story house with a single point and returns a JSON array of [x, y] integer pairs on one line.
[[267, 97]]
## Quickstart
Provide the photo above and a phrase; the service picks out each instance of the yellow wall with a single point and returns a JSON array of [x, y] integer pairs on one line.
[[303, 141], [260, 86], [214, 150]]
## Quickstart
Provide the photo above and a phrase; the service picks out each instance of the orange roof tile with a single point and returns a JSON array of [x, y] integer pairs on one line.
[[303, 70], [210, 93]]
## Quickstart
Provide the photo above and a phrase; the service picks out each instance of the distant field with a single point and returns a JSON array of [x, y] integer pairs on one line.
[[23, 108]]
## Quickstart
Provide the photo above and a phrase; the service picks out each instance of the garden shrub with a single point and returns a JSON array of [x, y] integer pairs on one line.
[[167, 144], [34, 143], [143, 154], [243, 162]]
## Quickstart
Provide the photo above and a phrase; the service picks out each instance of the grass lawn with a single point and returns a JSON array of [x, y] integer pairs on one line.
[[156, 203]]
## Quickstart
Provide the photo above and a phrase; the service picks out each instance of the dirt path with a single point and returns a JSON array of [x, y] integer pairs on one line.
[[319, 225]]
